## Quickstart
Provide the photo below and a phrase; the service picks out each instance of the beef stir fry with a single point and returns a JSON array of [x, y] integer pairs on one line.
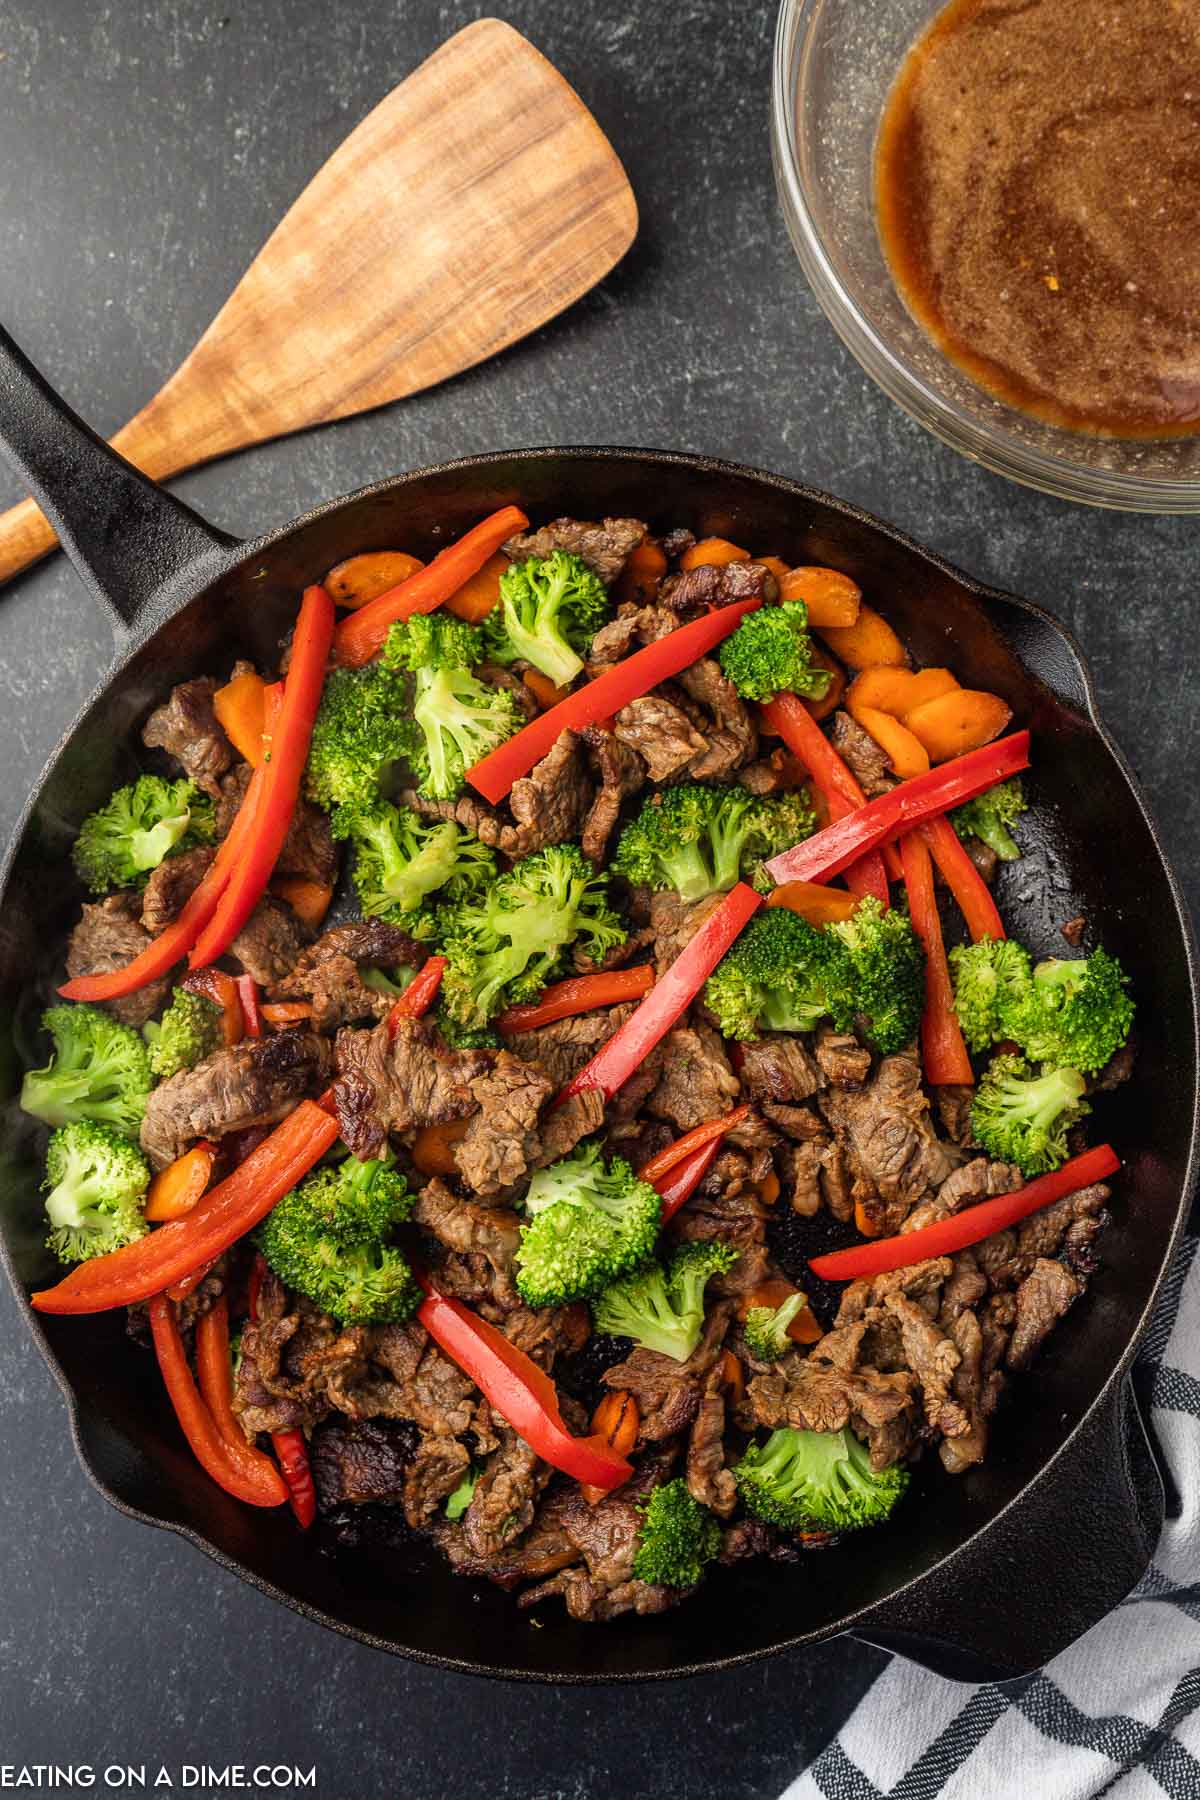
[[664, 936]]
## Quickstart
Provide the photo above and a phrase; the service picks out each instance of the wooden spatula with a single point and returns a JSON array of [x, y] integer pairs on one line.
[[476, 202]]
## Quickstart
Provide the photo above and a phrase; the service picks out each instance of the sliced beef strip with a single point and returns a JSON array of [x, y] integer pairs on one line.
[[618, 773], [810, 1394], [606, 1537], [870, 766], [327, 973], [308, 852], [668, 1392], [800, 1123], [661, 734], [984, 858], [483, 1240], [568, 1124], [186, 727], [468, 810], [172, 885], [727, 1205], [696, 590], [107, 937], [837, 1187], [357, 1462], [297, 1364], [502, 1139], [424, 1385], [614, 641], [1043, 1235], [605, 547], [802, 1165], [841, 1059], [708, 1479], [696, 1083], [980, 1179], [675, 923], [954, 1110], [562, 1049], [543, 1550], [397, 1082], [778, 773], [270, 942], [257, 1082], [778, 1068], [732, 737], [548, 805], [896, 1156], [1042, 1299], [495, 676], [439, 1466], [1115, 1072], [975, 1393], [933, 1359], [505, 1498]]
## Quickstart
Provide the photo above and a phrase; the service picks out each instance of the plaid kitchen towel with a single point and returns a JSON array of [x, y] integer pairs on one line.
[[1116, 1714]]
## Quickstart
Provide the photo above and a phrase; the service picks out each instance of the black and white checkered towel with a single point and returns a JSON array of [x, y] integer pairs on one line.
[[1116, 1714]]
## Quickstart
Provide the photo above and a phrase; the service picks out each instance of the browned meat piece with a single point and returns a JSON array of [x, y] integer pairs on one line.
[[895, 1155], [1042, 1299], [568, 1124], [754, 1537], [697, 590], [551, 802], [506, 1495], [965, 1287], [837, 1189], [172, 885], [483, 1239], [1115, 1072], [800, 1123], [1073, 931], [709, 1481], [606, 1536], [727, 1205], [308, 850], [933, 1358], [543, 1550], [977, 1180], [424, 1385], [697, 1082], [810, 1394], [778, 1068], [618, 772], [563, 1048], [504, 678], [356, 1462], [975, 1393], [326, 974], [107, 937], [984, 858], [668, 1392], [270, 942], [1043, 1235], [545, 1332], [437, 1468], [296, 1364], [387, 1083], [469, 811], [605, 548], [954, 1111], [675, 923], [186, 727], [870, 766], [841, 1059], [502, 1139], [866, 1296], [614, 641], [661, 734], [802, 1166], [257, 1082], [731, 736], [778, 773]]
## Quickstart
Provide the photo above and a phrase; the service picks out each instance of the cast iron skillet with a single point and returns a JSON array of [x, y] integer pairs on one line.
[[982, 1577]]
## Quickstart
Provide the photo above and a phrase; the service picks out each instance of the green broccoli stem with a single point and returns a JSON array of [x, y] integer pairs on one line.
[[550, 653], [690, 875], [408, 880]]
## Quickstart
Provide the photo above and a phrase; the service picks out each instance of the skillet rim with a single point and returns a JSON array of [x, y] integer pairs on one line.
[[181, 593]]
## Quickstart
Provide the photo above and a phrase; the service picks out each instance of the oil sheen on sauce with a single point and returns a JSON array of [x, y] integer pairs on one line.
[[1038, 193]]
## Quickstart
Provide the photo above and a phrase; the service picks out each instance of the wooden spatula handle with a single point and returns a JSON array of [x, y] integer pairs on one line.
[[25, 538]]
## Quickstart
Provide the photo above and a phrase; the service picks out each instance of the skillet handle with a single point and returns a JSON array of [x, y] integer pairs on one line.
[[130, 541], [1048, 1569]]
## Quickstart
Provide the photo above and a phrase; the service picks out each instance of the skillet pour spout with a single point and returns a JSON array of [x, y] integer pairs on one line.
[[986, 1575]]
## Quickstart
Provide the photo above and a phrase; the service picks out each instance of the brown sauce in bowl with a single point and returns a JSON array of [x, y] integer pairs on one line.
[[1038, 195]]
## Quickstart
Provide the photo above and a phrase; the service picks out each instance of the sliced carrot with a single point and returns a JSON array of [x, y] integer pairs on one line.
[[955, 723], [644, 568], [768, 1188], [926, 684], [865, 1226], [717, 551], [831, 699], [867, 643], [241, 710], [176, 1189], [778, 568], [803, 1329], [282, 1013], [543, 689], [476, 597], [616, 1421], [832, 599], [733, 1376], [813, 901], [309, 900], [897, 691], [905, 752], [361, 578], [433, 1146]]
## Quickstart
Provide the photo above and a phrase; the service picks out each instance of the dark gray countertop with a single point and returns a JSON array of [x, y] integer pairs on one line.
[[145, 153]]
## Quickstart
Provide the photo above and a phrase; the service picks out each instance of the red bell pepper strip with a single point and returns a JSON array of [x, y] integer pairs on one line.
[[281, 771], [579, 994], [226, 1213], [970, 890], [681, 1182], [902, 809], [247, 993], [943, 1052], [788, 717], [419, 995], [361, 636], [690, 1142], [521, 1393], [292, 1451], [603, 698], [196, 1422], [970, 1226], [179, 1290], [672, 993], [214, 1372]]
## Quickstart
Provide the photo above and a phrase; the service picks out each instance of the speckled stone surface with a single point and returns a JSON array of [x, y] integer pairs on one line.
[[146, 149]]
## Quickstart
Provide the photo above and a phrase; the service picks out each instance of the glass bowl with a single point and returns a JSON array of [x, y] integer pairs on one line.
[[834, 65]]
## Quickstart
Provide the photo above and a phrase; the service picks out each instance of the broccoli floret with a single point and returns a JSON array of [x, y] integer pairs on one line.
[[99, 1069], [700, 839], [663, 1309], [781, 974], [326, 1239], [989, 816], [507, 941], [459, 718], [993, 984], [400, 859], [362, 727], [395, 983], [131, 834], [1081, 1014], [766, 1328], [97, 1181], [188, 1031], [458, 1037], [1022, 1117], [464, 1493], [887, 972], [549, 610], [677, 1537], [771, 653], [816, 1481], [589, 1224]]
